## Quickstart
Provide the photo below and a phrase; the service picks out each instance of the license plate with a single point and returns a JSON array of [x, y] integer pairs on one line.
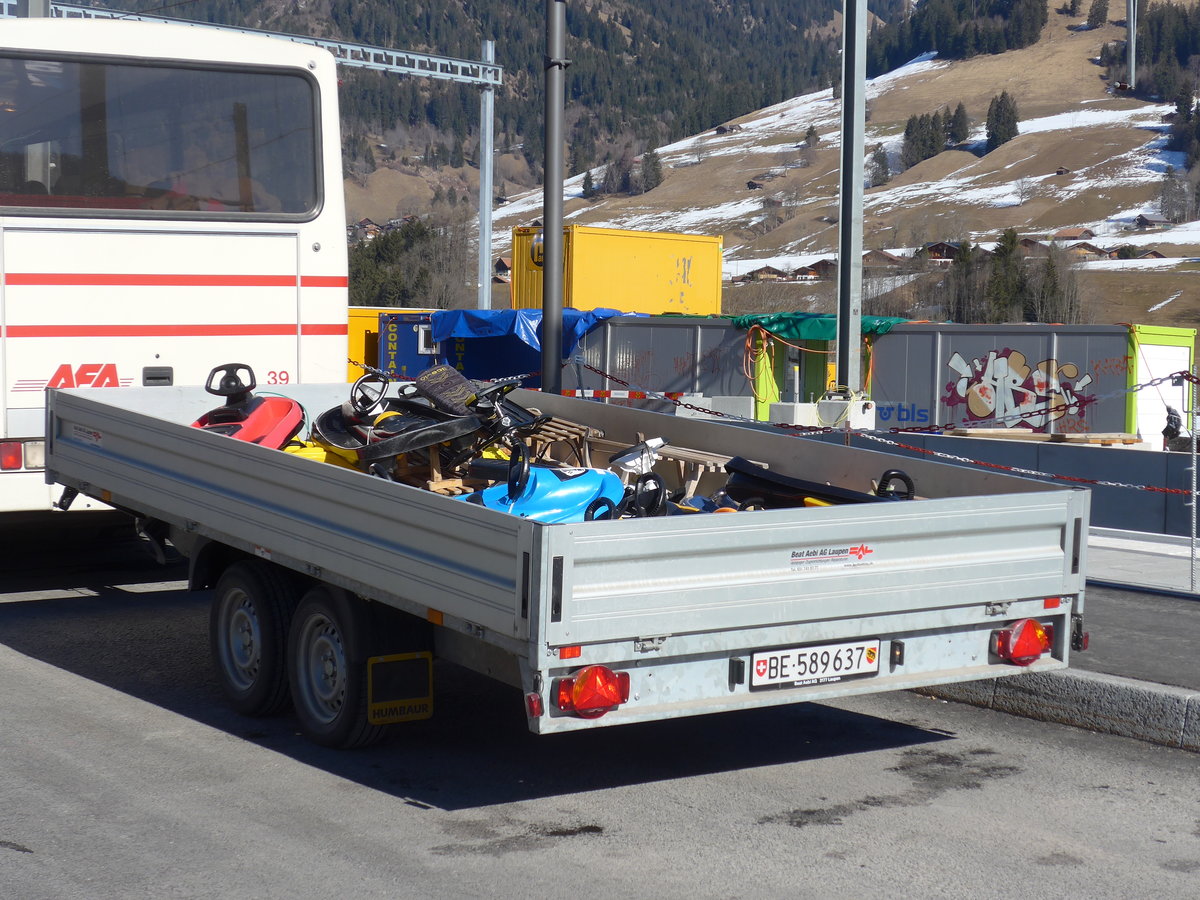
[[818, 664]]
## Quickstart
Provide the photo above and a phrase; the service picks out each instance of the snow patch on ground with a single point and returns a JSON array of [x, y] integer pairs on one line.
[[1174, 296]]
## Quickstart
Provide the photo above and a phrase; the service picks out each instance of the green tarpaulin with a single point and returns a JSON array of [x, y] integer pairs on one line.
[[811, 326]]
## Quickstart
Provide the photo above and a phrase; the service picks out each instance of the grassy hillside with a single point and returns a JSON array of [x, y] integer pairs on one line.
[[705, 185]]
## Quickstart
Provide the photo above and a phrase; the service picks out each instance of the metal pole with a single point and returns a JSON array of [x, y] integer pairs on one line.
[[1131, 41], [552, 202], [487, 158], [1192, 429], [850, 220]]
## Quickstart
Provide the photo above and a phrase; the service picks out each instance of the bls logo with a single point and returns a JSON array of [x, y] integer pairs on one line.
[[86, 375], [904, 412]]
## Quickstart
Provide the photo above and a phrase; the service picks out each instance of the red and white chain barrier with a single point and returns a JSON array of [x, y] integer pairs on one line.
[[876, 435], [632, 392]]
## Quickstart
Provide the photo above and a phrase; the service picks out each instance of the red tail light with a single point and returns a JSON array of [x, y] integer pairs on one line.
[[1023, 642], [592, 691], [533, 705], [10, 455]]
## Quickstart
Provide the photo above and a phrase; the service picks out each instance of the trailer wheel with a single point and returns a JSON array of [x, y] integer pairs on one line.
[[248, 626], [327, 669]]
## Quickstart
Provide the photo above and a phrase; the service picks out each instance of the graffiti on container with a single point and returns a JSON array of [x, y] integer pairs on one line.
[[711, 362], [1112, 365], [683, 270], [634, 366], [1003, 384]]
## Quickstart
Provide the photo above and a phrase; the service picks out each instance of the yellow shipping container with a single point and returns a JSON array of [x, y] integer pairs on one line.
[[633, 271]]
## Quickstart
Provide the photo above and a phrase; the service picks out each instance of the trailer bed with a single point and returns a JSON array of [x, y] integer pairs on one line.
[[684, 602]]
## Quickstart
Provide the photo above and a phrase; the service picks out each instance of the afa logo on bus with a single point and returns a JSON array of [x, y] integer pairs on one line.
[[87, 375]]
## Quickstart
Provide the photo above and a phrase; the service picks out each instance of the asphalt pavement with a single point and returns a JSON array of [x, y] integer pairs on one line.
[[1140, 676]]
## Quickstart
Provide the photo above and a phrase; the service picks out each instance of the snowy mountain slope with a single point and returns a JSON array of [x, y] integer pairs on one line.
[[1109, 149]]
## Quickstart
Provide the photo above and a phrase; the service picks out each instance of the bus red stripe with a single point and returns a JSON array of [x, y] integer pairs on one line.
[[135, 279], [192, 330]]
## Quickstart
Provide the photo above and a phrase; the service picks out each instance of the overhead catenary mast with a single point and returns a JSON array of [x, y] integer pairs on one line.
[[1131, 41], [850, 218], [552, 197]]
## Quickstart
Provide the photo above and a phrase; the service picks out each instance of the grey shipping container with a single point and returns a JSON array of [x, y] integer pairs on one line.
[[1054, 379], [690, 355]]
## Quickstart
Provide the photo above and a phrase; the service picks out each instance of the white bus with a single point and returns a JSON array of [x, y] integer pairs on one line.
[[170, 200]]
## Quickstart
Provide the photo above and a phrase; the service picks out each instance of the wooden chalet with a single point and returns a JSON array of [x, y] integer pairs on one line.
[[1032, 247], [825, 268], [764, 273], [1145, 221], [881, 259], [942, 251], [363, 230], [1084, 251], [1072, 234]]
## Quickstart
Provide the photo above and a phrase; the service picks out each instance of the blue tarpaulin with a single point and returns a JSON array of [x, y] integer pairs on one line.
[[523, 324]]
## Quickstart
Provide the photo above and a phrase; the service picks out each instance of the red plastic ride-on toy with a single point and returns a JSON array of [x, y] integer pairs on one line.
[[269, 421]]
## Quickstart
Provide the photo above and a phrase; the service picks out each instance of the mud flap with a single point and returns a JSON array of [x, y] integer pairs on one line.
[[399, 687]]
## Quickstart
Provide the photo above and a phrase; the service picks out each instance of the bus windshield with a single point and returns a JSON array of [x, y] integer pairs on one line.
[[150, 140]]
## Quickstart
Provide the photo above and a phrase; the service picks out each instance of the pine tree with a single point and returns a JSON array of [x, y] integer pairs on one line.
[[618, 175], [1168, 77], [910, 150], [579, 154], [610, 181], [589, 187], [652, 174], [962, 301], [1097, 13], [879, 171], [937, 134], [1047, 297], [811, 137], [1001, 121], [624, 173], [1184, 110], [1005, 284], [1173, 198], [960, 125]]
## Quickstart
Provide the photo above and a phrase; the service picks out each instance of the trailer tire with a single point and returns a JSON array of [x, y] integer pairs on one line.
[[251, 611], [327, 669]]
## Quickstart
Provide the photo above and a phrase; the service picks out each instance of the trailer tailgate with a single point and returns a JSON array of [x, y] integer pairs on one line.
[[712, 573]]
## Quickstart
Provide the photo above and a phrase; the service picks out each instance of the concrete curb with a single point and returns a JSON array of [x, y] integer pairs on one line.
[[1143, 589], [1109, 704]]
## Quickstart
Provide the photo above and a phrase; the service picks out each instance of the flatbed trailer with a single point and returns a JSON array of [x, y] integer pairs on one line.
[[335, 589]]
